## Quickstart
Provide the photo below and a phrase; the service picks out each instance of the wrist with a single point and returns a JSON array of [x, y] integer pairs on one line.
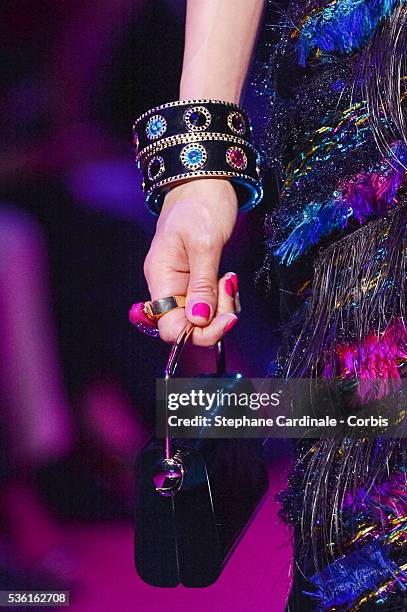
[[194, 86], [202, 189], [203, 199]]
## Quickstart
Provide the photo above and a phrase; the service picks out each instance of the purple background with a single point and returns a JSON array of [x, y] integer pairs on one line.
[[76, 381]]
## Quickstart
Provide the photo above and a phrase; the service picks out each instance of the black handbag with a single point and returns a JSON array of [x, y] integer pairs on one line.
[[194, 498]]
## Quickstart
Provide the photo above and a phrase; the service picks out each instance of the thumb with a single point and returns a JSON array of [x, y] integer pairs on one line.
[[202, 293]]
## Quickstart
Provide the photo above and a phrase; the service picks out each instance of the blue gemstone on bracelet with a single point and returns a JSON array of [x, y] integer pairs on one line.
[[197, 118], [193, 156], [156, 127]]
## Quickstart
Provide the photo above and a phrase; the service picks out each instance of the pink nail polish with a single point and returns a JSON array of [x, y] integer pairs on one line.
[[230, 324], [201, 309], [137, 315], [229, 288], [231, 284], [235, 282]]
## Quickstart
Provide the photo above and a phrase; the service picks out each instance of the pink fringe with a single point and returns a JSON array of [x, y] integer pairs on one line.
[[372, 193], [376, 359]]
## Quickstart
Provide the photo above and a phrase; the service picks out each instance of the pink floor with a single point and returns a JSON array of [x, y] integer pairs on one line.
[[256, 577]]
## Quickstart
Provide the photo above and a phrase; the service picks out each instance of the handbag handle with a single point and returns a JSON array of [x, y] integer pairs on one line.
[[169, 475], [169, 372], [171, 367], [176, 350]]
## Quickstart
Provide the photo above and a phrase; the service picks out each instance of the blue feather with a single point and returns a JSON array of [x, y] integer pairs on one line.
[[348, 578], [321, 219], [343, 26], [316, 221]]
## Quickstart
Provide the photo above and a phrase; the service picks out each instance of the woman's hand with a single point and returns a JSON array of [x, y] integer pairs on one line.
[[198, 216], [196, 221]]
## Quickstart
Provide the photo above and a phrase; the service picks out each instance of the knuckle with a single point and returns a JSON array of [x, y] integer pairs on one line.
[[205, 244], [149, 263], [204, 285]]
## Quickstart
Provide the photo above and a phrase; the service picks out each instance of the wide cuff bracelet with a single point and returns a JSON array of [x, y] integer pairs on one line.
[[216, 159], [190, 116], [193, 139]]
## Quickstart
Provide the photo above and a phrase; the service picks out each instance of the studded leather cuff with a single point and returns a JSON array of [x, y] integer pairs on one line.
[[194, 139]]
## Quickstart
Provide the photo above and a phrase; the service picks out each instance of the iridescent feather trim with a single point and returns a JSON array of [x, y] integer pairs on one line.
[[377, 358], [343, 26], [348, 578], [366, 195]]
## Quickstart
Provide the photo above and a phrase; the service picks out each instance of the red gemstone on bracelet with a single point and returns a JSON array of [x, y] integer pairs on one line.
[[236, 158]]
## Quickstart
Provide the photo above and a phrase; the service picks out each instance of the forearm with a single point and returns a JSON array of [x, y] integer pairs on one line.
[[198, 216], [219, 40]]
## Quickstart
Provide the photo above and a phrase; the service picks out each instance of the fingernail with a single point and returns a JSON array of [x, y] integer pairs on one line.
[[231, 284], [137, 315], [201, 309], [230, 324], [235, 281], [229, 288]]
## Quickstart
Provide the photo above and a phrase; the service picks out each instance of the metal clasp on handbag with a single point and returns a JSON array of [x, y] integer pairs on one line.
[[169, 474]]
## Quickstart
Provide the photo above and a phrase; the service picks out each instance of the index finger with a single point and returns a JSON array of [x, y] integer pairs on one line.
[[165, 278]]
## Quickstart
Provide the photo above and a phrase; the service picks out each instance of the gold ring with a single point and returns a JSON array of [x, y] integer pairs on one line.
[[155, 309]]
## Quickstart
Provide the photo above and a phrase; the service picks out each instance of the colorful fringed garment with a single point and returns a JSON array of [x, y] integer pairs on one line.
[[334, 89]]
